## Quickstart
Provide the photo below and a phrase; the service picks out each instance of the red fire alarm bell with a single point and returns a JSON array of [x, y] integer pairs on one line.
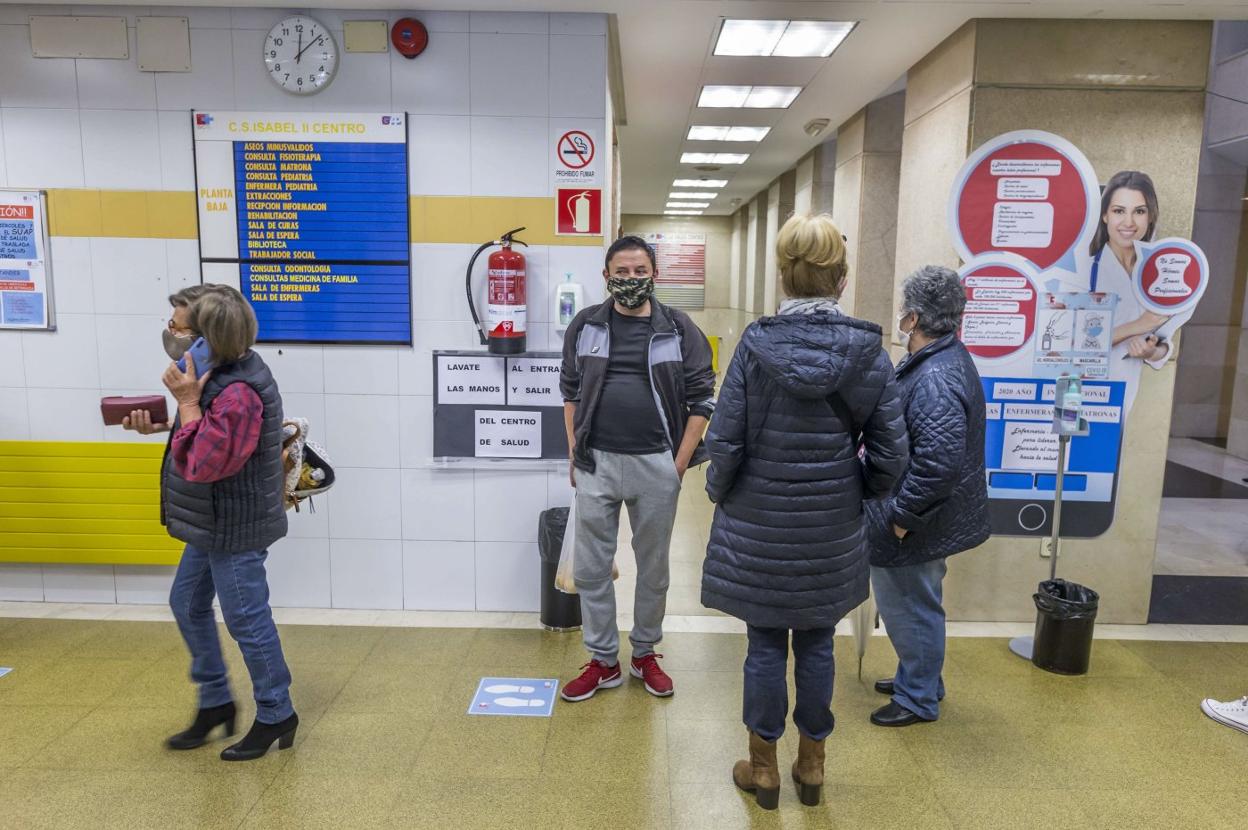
[[410, 37]]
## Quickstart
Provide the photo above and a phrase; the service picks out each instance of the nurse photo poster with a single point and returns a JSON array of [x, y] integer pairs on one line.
[[1063, 276], [25, 272]]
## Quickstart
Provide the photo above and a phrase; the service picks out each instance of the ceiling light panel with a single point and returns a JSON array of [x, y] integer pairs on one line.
[[703, 133], [682, 213], [771, 97], [700, 183], [713, 158], [720, 97], [708, 194], [750, 38], [781, 38], [753, 97], [812, 38], [687, 205]]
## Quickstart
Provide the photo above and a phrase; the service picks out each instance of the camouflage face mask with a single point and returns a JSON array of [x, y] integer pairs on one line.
[[631, 292]]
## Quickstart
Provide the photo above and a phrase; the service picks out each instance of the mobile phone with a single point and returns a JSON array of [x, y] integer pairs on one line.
[[201, 352]]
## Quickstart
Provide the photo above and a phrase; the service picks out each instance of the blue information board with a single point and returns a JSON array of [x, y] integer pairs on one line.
[[323, 240]]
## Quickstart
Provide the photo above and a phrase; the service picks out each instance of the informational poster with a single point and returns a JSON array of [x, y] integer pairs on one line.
[[310, 213], [497, 407], [681, 262], [1063, 276], [25, 269]]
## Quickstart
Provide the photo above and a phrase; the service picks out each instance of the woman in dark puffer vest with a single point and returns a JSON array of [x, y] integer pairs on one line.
[[221, 494], [787, 549]]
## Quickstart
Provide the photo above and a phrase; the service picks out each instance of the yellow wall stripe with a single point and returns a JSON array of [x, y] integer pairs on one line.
[[155, 214], [82, 503]]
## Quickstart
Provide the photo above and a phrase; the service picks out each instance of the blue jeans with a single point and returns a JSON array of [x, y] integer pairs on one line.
[[909, 599], [766, 698], [238, 579]]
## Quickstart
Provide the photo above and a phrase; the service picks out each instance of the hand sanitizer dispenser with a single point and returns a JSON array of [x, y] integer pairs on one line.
[[569, 300]]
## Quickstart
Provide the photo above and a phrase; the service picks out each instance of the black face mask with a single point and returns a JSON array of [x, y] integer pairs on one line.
[[631, 292], [176, 344]]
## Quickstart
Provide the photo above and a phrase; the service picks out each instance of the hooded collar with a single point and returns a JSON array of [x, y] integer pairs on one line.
[[910, 361]]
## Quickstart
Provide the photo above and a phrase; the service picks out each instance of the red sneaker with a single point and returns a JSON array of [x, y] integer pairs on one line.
[[596, 676], [647, 670]]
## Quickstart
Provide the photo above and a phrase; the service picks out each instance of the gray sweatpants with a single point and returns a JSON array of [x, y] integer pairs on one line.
[[650, 487]]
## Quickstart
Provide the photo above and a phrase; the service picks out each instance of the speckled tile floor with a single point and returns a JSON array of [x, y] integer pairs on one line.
[[385, 741]]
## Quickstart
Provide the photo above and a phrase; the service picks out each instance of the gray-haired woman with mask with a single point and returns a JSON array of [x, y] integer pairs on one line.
[[939, 507]]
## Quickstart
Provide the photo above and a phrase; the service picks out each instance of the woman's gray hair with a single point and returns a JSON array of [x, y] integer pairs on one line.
[[936, 295]]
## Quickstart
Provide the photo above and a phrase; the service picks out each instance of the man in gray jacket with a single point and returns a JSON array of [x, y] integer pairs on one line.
[[638, 389]]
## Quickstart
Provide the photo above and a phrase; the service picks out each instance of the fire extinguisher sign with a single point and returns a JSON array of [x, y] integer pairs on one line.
[[578, 211]]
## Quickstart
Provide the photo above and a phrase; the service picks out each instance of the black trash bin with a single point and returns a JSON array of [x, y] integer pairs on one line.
[[560, 611], [1065, 616]]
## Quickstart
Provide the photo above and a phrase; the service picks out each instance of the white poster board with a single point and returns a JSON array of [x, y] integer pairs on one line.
[[25, 266]]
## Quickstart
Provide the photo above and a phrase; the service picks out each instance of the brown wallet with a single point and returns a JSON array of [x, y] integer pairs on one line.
[[116, 408]]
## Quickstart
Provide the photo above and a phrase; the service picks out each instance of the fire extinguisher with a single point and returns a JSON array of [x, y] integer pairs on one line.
[[506, 302]]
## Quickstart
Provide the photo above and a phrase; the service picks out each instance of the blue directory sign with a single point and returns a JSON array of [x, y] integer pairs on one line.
[[514, 697], [317, 213]]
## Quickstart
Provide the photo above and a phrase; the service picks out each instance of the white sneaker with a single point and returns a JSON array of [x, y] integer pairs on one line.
[[1233, 713]]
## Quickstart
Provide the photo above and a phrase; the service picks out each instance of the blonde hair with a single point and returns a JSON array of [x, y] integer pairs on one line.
[[224, 318], [810, 255]]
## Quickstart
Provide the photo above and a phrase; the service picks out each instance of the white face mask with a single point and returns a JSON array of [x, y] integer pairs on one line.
[[902, 334]]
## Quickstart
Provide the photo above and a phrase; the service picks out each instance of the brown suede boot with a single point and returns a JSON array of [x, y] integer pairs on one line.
[[761, 774], [808, 770]]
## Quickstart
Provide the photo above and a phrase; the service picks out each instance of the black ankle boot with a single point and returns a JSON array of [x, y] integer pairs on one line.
[[206, 720], [260, 737]]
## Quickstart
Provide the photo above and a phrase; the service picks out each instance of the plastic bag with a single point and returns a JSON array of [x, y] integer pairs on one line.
[[1062, 600], [565, 576]]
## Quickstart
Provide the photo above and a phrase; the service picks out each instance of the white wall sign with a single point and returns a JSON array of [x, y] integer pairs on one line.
[[505, 433], [576, 156], [25, 273], [533, 381], [471, 380]]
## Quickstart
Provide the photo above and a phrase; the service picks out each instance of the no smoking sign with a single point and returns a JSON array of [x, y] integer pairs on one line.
[[576, 157]]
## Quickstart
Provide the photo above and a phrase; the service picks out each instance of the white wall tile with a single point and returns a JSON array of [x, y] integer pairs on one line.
[[508, 576], [535, 23], [130, 276], [296, 368], [305, 405], [416, 364], [366, 574], [508, 505], [43, 148], [71, 275], [26, 81], [434, 21], [199, 18], [578, 76], [510, 74], [439, 505], [12, 368], [559, 491], [363, 430], [79, 583], [262, 19], [415, 430], [210, 83], [437, 81], [4, 167], [585, 264], [121, 149], [24, 583], [65, 415], [538, 283], [299, 573], [578, 23], [509, 157], [63, 359], [114, 84], [361, 370], [182, 258], [365, 504], [130, 13], [14, 415], [439, 157], [177, 156], [439, 576], [143, 584], [438, 281], [131, 355]]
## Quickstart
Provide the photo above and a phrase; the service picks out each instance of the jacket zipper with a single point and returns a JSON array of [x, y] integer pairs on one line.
[[654, 390]]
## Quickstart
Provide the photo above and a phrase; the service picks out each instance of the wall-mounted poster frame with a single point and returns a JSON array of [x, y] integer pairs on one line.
[[26, 297]]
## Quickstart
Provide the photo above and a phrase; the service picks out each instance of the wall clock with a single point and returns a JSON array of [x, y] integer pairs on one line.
[[300, 55]]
